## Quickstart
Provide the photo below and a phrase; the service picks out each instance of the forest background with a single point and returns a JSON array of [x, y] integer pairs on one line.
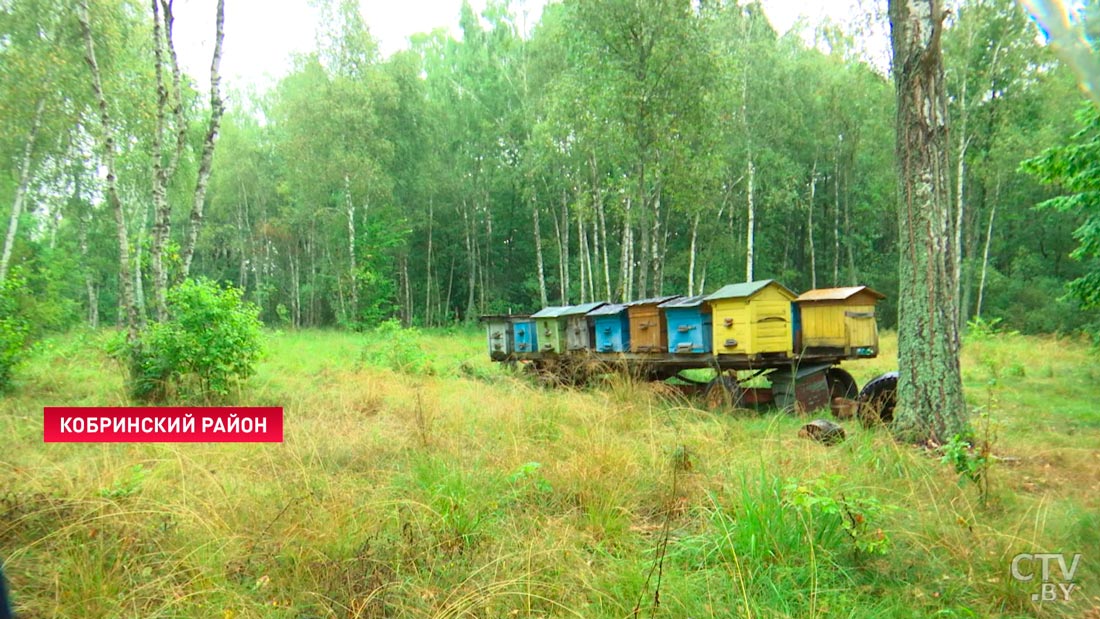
[[613, 154]]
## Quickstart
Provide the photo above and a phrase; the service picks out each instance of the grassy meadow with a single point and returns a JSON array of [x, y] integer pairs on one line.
[[417, 479]]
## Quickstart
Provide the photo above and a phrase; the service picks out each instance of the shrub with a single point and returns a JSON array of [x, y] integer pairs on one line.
[[14, 327], [392, 346], [210, 339]]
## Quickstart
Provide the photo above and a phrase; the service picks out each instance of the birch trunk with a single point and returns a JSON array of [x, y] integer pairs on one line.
[[471, 259], [128, 310], [428, 265], [960, 204], [691, 255], [21, 188], [83, 220], [606, 249], [538, 254], [931, 408], [985, 252], [565, 248], [750, 222], [836, 218], [353, 268], [810, 227], [582, 254], [624, 258], [217, 108]]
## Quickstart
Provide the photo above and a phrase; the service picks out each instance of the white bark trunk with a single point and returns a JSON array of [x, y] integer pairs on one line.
[[21, 188], [538, 254], [128, 309], [750, 224], [691, 255], [985, 259], [810, 227], [217, 108]]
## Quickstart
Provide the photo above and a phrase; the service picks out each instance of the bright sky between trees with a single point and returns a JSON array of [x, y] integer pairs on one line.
[[261, 35]]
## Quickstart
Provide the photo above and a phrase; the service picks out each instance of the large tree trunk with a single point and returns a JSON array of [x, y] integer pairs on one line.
[[128, 310], [217, 108], [930, 397], [21, 188]]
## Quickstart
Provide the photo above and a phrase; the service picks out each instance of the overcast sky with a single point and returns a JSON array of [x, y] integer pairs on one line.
[[261, 35]]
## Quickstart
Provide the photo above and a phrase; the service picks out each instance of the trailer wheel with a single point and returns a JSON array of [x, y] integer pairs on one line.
[[722, 392], [841, 384], [878, 399]]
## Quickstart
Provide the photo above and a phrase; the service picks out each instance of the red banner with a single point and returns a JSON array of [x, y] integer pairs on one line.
[[173, 424]]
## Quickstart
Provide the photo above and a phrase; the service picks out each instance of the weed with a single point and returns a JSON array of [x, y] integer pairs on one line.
[[126, 486], [972, 455], [827, 499]]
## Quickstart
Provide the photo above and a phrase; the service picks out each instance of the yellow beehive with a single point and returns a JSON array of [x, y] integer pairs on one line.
[[752, 318], [839, 318]]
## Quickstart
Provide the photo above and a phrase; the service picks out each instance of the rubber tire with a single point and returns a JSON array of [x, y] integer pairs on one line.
[[883, 391], [841, 384]]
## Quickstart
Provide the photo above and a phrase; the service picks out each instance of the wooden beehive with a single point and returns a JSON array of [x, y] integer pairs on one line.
[[578, 330], [524, 334], [689, 325], [839, 319], [550, 329], [752, 318], [648, 331], [611, 328], [498, 331]]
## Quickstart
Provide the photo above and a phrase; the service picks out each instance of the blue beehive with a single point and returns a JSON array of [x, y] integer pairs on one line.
[[612, 328], [689, 325], [525, 337]]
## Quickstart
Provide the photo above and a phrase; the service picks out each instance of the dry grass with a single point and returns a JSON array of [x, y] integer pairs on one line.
[[465, 490]]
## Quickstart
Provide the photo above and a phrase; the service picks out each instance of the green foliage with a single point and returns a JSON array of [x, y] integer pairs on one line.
[[830, 499], [1075, 167], [395, 347], [979, 329], [211, 339], [14, 327], [126, 486], [971, 455]]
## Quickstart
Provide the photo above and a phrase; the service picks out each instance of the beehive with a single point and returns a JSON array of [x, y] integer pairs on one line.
[[524, 334], [841, 319], [498, 330], [612, 328], [578, 330], [689, 325], [648, 331], [752, 318], [550, 329]]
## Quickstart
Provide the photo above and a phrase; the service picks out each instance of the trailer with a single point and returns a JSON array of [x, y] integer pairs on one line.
[[745, 334]]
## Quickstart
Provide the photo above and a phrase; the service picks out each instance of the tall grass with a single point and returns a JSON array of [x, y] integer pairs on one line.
[[453, 487]]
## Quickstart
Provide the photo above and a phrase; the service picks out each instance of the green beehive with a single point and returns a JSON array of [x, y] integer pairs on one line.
[[551, 326]]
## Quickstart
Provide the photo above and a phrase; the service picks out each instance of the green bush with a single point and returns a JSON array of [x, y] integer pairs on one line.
[[14, 327], [392, 346], [210, 339]]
